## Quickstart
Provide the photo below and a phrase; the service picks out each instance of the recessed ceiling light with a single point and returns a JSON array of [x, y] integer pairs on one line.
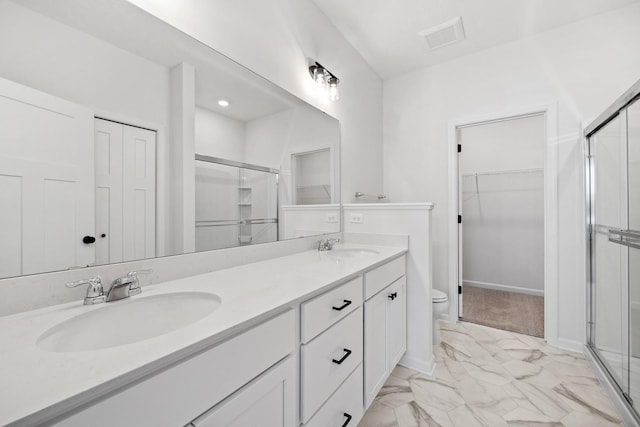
[[223, 103]]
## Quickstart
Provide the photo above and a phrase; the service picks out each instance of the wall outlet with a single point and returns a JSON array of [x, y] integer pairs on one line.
[[357, 218], [332, 217]]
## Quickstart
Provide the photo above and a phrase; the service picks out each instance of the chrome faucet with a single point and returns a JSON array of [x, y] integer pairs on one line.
[[124, 287], [327, 244]]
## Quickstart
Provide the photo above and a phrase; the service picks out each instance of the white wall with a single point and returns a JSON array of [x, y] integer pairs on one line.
[[501, 146], [272, 140], [267, 138], [275, 38], [307, 220], [503, 213], [219, 136], [583, 67], [80, 68]]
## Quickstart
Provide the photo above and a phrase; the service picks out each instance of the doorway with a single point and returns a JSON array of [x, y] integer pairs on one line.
[[501, 224]]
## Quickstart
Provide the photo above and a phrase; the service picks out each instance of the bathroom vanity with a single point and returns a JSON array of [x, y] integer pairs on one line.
[[304, 339]]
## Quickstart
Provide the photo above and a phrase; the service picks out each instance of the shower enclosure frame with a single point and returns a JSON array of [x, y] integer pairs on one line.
[[253, 167], [620, 397]]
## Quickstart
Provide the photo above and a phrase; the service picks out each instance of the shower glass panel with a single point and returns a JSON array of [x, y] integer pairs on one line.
[[609, 260], [258, 206], [633, 138], [613, 200], [235, 205]]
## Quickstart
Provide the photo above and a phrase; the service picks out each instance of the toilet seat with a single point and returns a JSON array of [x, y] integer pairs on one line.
[[438, 296]]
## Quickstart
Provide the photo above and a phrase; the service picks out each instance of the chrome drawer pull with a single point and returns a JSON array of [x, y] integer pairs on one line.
[[347, 353], [348, 419], [346, 304]]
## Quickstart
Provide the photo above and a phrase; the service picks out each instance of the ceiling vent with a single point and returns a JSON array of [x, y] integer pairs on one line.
[[444, 34]]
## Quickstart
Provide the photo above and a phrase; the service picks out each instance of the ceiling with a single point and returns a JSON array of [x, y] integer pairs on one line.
[[386, 32], [217, 77]]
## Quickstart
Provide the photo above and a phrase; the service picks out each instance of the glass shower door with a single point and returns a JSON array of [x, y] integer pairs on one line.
[[609, 263], [633, 149]]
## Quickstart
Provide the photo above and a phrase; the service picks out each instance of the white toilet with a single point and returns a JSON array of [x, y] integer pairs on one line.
[[440, 302]]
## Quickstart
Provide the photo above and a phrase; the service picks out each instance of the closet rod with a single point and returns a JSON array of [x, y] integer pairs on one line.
[[504, 172]]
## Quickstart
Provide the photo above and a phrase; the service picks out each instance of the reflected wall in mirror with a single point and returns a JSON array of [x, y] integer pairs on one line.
[[122, 138]]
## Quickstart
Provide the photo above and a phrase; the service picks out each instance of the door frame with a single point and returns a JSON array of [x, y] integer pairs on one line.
[[550, 113]]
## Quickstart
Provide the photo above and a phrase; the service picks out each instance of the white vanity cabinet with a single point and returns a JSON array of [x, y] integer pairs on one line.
[[331, 357], [269, 400], [385, 324], [182, 393]]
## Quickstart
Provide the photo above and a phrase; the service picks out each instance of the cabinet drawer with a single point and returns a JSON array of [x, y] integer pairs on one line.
[[177, 395], [346, 402], [320, 375], [378, 279], [325, 310]]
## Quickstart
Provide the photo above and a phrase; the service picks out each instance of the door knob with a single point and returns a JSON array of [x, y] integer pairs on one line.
[[87, 240]]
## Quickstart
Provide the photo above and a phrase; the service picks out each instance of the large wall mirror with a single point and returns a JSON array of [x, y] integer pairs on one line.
[[122, 139]]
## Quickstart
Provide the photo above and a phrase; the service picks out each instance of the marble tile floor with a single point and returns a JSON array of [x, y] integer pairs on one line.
[[493, 378]]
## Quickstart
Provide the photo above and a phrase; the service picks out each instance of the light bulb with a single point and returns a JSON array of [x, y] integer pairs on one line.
[[319, 75], [333, 89]]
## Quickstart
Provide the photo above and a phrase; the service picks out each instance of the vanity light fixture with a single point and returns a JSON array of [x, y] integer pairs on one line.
[[324, 78], [223, 103]]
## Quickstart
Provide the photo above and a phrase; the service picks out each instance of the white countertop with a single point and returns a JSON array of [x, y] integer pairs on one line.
[[37, 385]]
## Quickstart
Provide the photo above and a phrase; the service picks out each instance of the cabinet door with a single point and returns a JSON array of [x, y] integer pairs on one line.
[[376, 364], [269, 400], [397, 330]]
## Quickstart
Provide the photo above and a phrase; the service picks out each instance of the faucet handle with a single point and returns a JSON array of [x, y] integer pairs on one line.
[[331, 242], [135, 273], [95, 291], [135, 289]]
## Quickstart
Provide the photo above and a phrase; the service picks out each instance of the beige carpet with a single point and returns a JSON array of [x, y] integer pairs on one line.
[[504, 310]]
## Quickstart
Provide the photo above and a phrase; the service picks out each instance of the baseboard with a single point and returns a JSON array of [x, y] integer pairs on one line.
[[445, 318], [566, 344], [424, 366], [507, 288]]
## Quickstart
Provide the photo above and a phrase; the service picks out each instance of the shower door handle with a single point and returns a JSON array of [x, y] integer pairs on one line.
[[630, 238]]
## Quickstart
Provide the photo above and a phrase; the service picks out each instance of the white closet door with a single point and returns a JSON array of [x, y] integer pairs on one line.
[[109, 211], [46, 182], [139, 193], [125, 192]]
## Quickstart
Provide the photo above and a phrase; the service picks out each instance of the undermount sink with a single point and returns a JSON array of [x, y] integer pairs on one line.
[[130, 321], [351, 252]]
